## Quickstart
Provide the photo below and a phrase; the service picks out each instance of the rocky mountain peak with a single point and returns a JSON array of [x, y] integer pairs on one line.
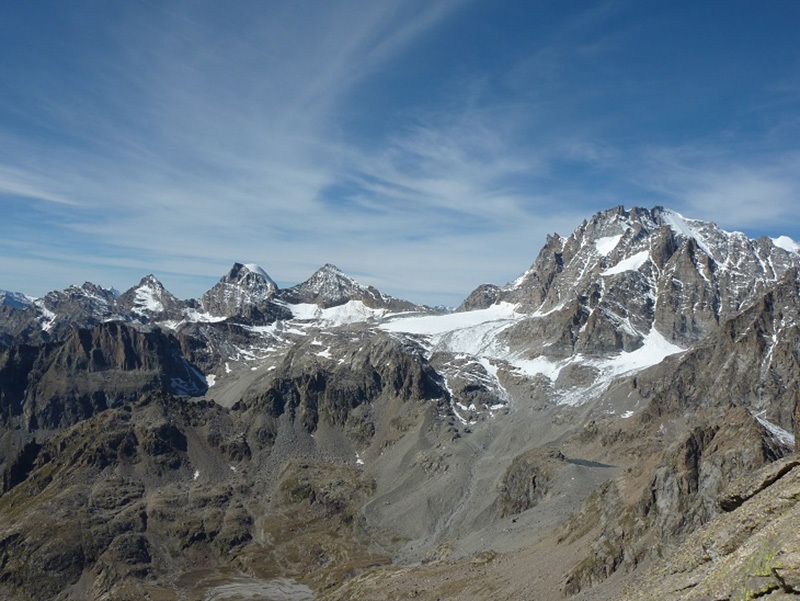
[[329, 286], [643, 268], [249, 272], [150, 281], [85, 305], [244, 287], [148, 299]]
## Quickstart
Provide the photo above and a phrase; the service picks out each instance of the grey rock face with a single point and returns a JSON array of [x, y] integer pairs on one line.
[[651, 509], [60, 383], [527, 479], [312, 390], [482, 297], [747, 553]]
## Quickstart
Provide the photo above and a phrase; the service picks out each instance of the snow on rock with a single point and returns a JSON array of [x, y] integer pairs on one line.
[[632, 263], [48, 318], [540, 366], [147, 300], [607, 244], [254, 268], [778, 432], [786, 243], [15, 299], [450, 322], [686, 228], [655, 348]]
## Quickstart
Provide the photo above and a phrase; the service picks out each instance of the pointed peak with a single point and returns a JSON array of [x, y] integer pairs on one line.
[[255, 268], [242, 271], [330, 269], [150, 281]]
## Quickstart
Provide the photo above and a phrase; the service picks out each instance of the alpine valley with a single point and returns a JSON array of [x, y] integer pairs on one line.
[[619, 422]]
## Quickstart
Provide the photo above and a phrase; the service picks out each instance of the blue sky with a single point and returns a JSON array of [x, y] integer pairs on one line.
[[424, 147]]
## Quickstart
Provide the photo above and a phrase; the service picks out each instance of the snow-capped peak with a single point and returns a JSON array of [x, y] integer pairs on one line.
[[15, 299], [255, 268], [147, 300], [244, 285], [250, 274], [786, 243]]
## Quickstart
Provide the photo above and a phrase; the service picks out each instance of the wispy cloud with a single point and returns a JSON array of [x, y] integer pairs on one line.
[[758, 191], [425, 147]]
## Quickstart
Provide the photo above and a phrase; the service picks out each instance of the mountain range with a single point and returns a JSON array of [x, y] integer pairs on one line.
[[617, 422]]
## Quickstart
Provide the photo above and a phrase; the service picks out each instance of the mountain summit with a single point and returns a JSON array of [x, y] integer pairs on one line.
[[244, 286], [624, 271], [149, 300], [329, 286]]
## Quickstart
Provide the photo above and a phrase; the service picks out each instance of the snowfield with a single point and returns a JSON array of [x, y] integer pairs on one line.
[[475, 333], [451, 322]]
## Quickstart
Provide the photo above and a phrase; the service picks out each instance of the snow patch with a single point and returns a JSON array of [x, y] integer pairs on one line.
[[354, 311], [540, 366], [195, 316], [607, 244], [146, 300], [441, 324], [632, 263], [211, 379], [655, 348], [778, 432]]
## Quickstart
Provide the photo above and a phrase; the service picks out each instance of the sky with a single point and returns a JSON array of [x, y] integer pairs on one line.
[[423, 146]]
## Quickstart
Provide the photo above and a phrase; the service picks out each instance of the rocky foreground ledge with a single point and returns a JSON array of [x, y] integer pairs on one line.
[[752, 551]]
